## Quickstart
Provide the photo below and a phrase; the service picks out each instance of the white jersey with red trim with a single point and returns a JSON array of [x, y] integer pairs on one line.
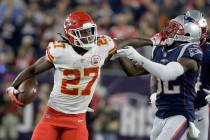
[[76, 75]]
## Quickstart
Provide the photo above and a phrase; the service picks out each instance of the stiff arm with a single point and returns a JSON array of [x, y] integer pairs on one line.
[[135, 42], [162, 71], [126, 64]]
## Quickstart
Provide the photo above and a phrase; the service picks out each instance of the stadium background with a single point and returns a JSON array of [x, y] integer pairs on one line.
[[122, 109]]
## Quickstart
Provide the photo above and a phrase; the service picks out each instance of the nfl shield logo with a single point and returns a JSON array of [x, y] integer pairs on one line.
[[95, 60]]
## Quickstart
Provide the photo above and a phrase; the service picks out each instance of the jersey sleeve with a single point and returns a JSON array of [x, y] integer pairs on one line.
[[192, 51], [53, 51], [107, 43]]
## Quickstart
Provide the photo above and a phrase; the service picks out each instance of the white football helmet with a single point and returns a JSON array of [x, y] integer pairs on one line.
[[183, 30]]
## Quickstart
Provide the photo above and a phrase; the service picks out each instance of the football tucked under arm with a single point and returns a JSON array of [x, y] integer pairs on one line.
[[21, 85], [28, 91]]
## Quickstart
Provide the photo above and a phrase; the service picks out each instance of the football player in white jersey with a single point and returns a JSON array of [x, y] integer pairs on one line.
[[77, 61]]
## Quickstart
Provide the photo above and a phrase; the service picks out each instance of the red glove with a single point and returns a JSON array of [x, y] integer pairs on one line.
[[12, 92]]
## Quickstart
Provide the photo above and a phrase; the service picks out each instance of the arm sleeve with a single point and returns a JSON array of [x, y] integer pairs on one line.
[[173, 69], [165, 72]]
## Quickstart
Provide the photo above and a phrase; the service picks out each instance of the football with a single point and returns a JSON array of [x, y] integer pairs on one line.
[[28, 91]]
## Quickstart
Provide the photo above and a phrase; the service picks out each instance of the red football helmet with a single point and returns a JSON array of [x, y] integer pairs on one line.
[[80, 30]]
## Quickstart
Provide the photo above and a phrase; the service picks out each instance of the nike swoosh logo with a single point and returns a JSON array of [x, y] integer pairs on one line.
[[80, 121]]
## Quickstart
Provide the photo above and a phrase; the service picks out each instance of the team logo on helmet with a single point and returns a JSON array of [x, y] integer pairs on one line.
[[188, 19]]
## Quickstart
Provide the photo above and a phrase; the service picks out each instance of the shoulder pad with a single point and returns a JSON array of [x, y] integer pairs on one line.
[[57, 44], [103, 40], [108, 44], [54, 50]]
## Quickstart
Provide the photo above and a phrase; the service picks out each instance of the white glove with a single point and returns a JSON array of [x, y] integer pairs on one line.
[[128, 52], [193, 130], [12, 93], [208, 96], [153, 98]]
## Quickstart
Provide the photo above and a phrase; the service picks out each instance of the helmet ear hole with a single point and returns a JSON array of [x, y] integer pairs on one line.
[[187, 34]]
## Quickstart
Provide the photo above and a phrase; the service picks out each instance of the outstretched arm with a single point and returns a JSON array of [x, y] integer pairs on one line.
[[165, 72], [155, 40], [130, 69], [135, 42], [39, 66], [126, 64]]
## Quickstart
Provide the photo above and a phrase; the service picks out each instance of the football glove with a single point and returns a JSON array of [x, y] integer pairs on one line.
[[193, 130], [208, 96], [12, 93], [128, 52]]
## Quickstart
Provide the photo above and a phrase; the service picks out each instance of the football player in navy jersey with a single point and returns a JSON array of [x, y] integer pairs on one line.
[[176, 65], [203, 83], [201, 105]]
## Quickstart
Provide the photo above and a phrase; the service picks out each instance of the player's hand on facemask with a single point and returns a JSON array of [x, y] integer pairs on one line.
[[157, 40], [208, 96], [12, 93]]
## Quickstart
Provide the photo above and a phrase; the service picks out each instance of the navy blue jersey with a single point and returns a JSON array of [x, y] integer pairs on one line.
[[204, 78], [177, 97]]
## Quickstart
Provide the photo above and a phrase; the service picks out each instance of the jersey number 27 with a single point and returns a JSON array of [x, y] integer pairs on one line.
[[78, 75]]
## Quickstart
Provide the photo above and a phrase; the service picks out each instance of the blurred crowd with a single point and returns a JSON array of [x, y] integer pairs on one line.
[[27, 26]]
